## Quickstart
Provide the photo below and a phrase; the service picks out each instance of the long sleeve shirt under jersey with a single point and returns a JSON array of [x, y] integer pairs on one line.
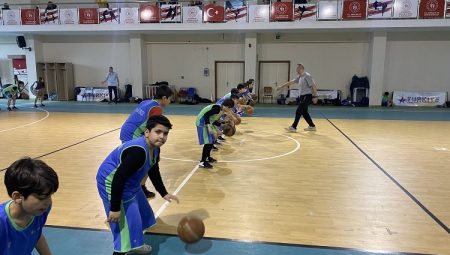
[[133, 158]]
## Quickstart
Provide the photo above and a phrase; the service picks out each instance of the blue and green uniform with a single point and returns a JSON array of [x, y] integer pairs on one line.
[[207, 115], [134, 126], [16, 240], [220, 101], [10, 90], [136, 213]]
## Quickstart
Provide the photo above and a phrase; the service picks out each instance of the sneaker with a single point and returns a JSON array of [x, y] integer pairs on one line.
[[15, 108], [205, 165], [220, 139], [214, 148], [211, 160], [144, 249], [310, 128], [147, 193], [291, 129], [42, 104], [9, 109], [35, 106]]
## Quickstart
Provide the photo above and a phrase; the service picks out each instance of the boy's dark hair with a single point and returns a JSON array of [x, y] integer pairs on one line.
[[240, 86], [386, 93], [234, 96], [228, 103], [163, 91], [28, 176], [234, 91], [158, 119]]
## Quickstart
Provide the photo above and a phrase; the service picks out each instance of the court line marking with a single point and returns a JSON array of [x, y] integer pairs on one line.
[[411, 196], [186, 179], [71, 145], [297, 147], [244, 241], [29, 124], [166, 203]]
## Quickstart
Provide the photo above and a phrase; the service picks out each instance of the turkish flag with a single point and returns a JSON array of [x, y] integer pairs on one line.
[[30, 16], [149, 13], [282, 11], [213, 13], [88, 15]]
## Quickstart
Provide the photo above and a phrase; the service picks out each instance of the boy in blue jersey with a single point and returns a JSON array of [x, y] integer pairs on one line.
[[233, 96], [30, 183], [248, 94], [134, 127], [234, 91], [118, 183], [206, 122]]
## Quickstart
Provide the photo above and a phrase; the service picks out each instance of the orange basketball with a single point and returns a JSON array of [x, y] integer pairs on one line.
[[227, 129], [249, 110], [238, 121], [191, 229], [241, 101]]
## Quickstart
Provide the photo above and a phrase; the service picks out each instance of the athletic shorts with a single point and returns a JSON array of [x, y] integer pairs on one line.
[[136, 216], [204, 137]]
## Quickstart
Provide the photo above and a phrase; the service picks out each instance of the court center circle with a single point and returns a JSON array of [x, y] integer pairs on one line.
[[297, 147]]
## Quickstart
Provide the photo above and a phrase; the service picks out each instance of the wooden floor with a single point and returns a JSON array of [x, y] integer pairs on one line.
[[304, 188]]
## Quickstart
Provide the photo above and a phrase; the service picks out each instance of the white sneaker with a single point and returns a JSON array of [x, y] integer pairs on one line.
[[291, 129], [144, 249], [310, 129]]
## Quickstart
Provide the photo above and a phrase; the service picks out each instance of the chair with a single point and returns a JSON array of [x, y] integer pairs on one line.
[[268, 93]]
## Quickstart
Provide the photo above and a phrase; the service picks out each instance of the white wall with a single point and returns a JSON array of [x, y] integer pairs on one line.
[[332, 64], [419, 63], [6, 68], [91, 60], [168, 62], [414, 60]]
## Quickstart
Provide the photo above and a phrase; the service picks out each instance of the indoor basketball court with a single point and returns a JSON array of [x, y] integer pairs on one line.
[[357, 185]]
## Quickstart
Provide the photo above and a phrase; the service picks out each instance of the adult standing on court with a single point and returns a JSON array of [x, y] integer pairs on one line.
[[112, 79], [307, 90]]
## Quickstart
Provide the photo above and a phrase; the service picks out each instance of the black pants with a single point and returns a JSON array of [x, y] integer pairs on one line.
[[302, 109], [110, 90], [206, 153]]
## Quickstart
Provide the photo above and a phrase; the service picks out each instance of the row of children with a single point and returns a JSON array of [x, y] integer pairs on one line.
[[120, 179], [221, 118]]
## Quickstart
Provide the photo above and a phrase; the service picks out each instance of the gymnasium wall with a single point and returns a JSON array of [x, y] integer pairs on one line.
[[414, 60], [418, 61], [331, 58], [170, 61], [91, 59], [6, 68]]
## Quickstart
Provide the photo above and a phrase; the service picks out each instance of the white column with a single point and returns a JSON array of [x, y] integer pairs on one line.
[[32, 57], [250, 56], [377, 58], [138, 65]]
